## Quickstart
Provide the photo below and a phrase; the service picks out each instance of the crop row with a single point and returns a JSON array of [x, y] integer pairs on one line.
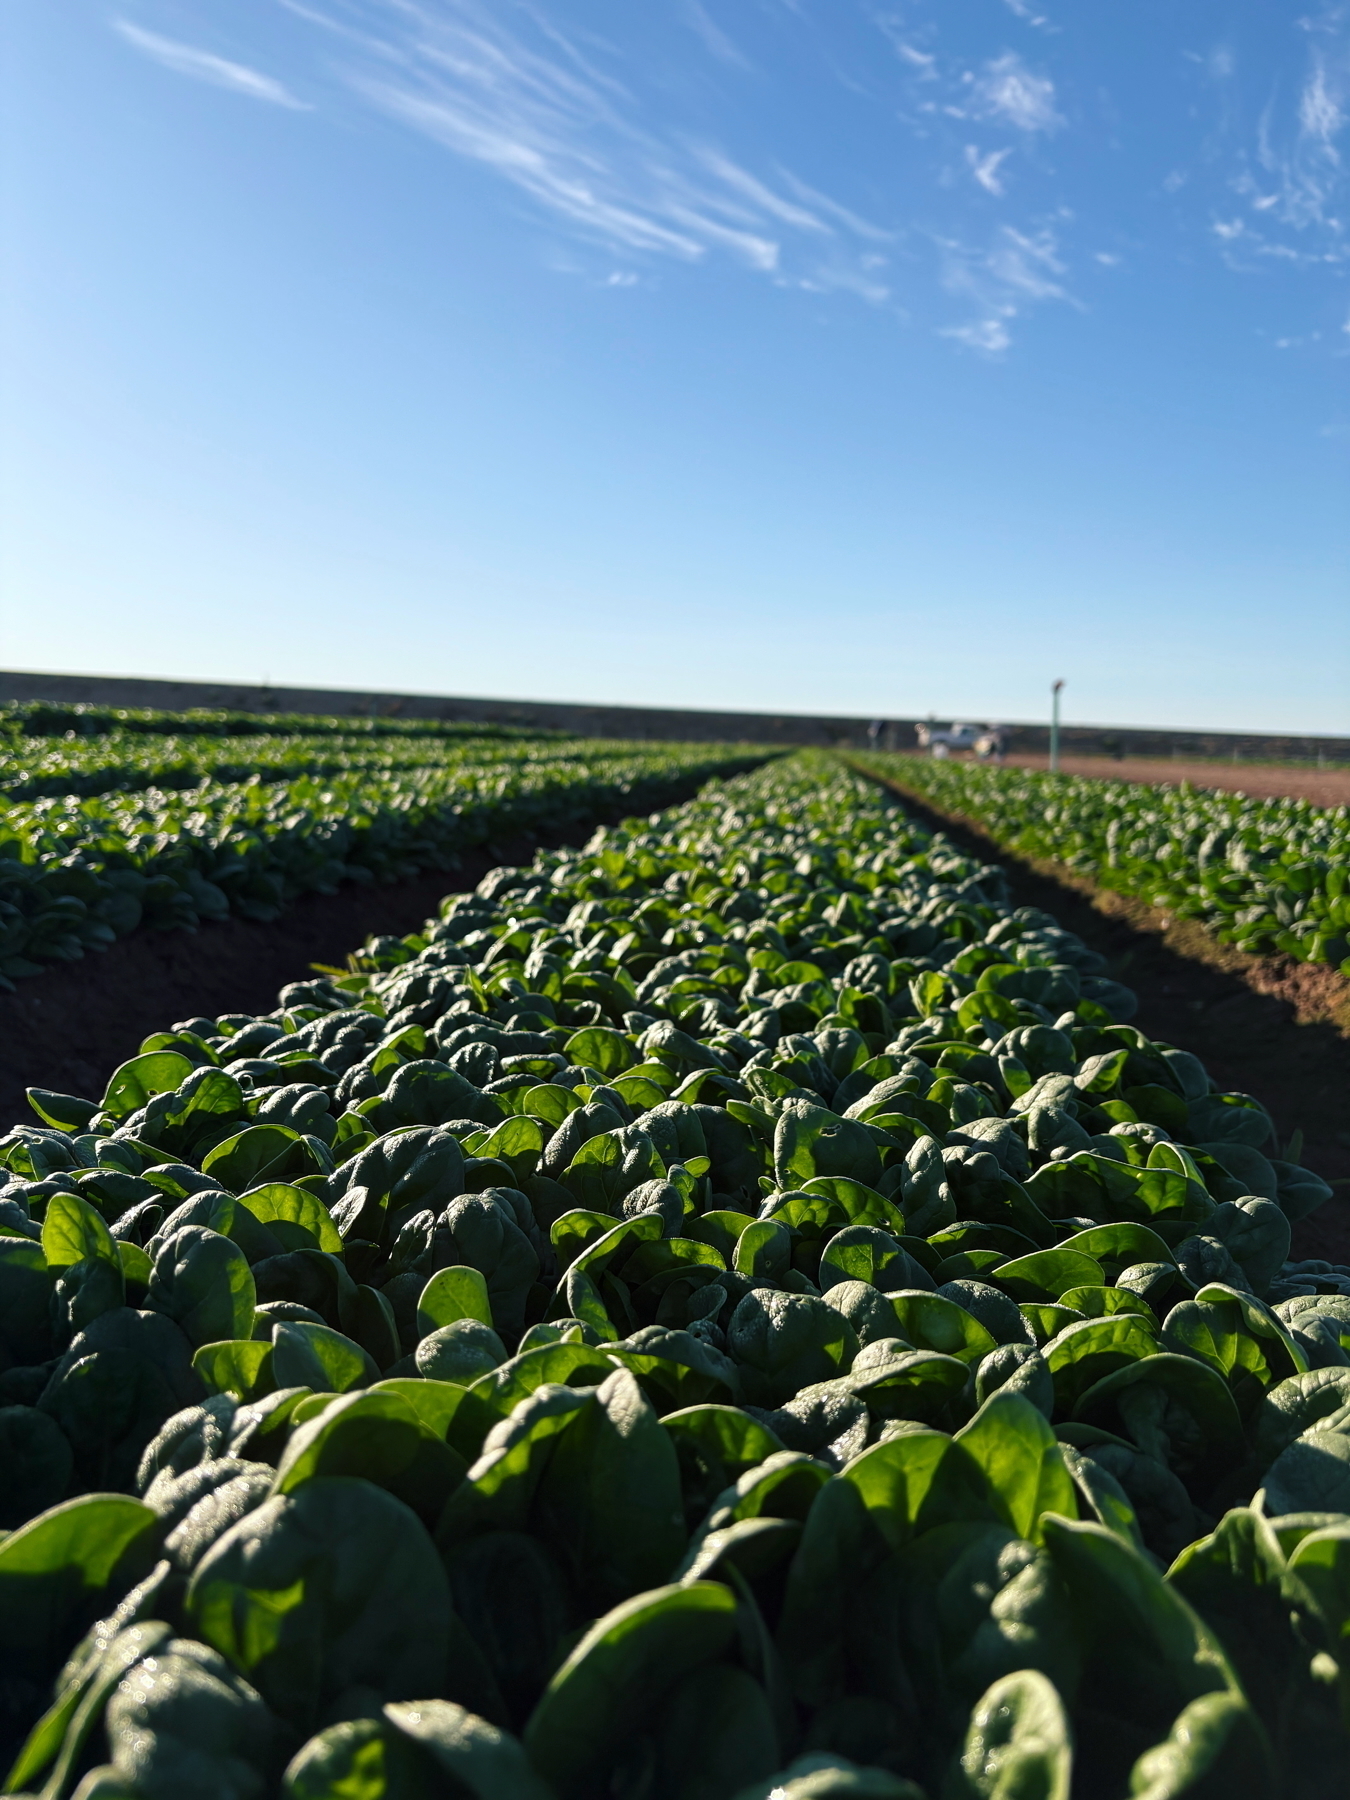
[[78, 872], [733, 1311], [1265, 875], [124, 762], [52, 718]]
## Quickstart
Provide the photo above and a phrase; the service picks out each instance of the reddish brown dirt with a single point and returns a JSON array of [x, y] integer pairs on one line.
[[1265, 1025], [1263, 781]]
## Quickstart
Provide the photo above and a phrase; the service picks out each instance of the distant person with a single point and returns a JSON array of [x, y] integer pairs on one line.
[[991, 745], [874, 731]]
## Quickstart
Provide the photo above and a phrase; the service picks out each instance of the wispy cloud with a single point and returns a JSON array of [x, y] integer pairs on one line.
[[1221, 63], [574, 124], [922, 60], [1025, 263], [821, 203], [947, 99], [202, 65], [989, 335], [1013, 269], [900, 34], [1007, 89], [562, 118], [862, 279], [1028, 14], [985, 169], [1290, 169], [715, 40], [1321, 116], [760, 196], [1300, 161]]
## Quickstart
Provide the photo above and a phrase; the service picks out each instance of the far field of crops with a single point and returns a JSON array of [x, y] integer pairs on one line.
[[1265, 875], [736, 1311], [110, 821]]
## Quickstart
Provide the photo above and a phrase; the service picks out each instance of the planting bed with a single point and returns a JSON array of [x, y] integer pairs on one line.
[[1267, 876], [1270, 1025], [72, 1027], [129, 820], [739, 1310]]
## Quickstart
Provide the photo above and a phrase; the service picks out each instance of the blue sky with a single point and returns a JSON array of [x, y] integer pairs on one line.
[[806, 354]]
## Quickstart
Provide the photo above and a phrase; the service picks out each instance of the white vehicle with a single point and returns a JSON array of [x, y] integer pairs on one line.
[[984, 740]]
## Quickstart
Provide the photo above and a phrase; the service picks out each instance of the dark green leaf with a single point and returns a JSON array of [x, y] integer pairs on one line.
[[1018, 1745], [202, 1282], [612, 1683], [323, 1589]]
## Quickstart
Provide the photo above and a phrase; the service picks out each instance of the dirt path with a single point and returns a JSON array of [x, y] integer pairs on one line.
[[1263, 781], [1264, 1025]]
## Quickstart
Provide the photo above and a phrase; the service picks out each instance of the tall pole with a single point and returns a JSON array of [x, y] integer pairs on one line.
[[1055, 686]]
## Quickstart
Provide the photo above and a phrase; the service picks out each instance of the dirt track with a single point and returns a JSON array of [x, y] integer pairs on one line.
[[1324, 787]]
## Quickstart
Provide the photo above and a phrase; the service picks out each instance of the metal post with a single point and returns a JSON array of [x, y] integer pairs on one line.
[[1054, 726]]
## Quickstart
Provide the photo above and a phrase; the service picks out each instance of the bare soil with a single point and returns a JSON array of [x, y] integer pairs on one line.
[[1267, 1026], [1263, 781]]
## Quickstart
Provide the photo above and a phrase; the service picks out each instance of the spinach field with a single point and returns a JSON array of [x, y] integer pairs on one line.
[[112, 821], [1269, 876], [735, 1312]]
